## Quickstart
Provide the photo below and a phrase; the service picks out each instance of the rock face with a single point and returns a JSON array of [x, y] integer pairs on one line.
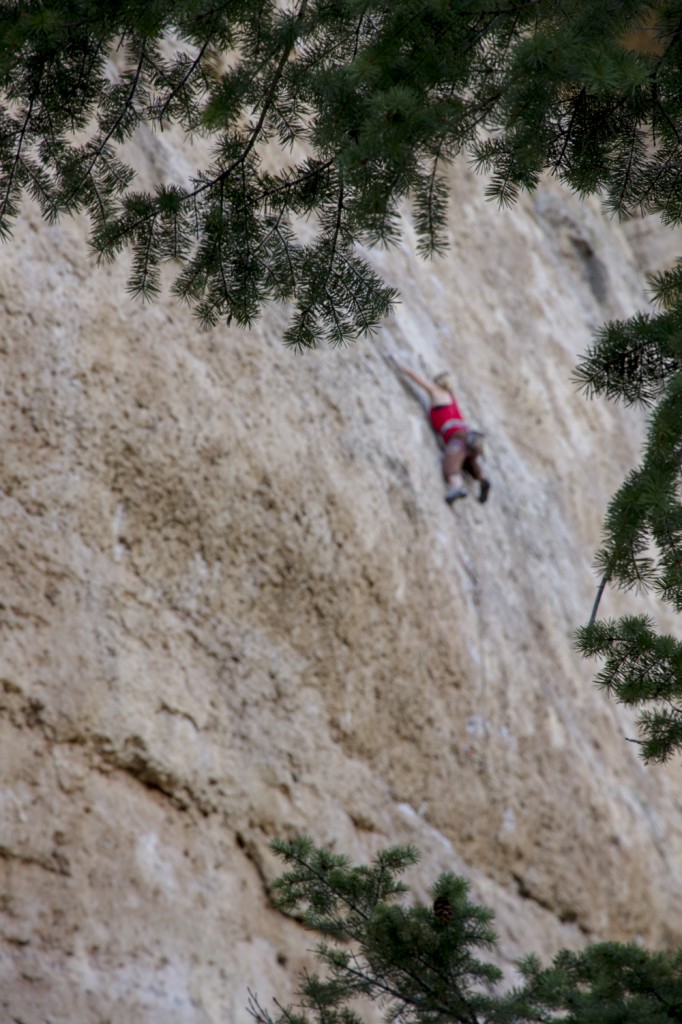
[[234, 605]]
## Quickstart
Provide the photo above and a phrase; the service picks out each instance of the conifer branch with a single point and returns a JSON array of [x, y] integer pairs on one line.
[[337, 228], [290, 184], [559, 162], [6, 200], [255, 131], [438, 1005], [421, 970], [175, 90], [101, 147]]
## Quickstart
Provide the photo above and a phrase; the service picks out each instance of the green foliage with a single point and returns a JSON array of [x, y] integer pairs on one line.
[[640, 363], [420, 965], [404, 958], [367, 100], [608, 983], [641, 667]]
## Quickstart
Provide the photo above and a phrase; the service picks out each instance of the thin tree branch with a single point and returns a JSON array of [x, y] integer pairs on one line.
[[15, 162], [267, 101], [600, 590], [176, 89], [102, 145]]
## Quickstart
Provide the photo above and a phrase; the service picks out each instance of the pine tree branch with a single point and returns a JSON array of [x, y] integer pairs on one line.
[[256, 1010], [263, 1016], [239, 161], [223, 277], [334, 314], [358, 29], [628, 168], [146, 262], [674, 39], [293, 182], [255, 130], [655, 178], [274, 230], [402, 997], [96, 156], [100, 201], [432, 186], [267, 101], [515, 9], [352, 301], [287, 253], [326, 882], [471, 1016], [481, 114], [337, 228], [7, 198], [567, 136], [175, 90], [600, 590], [247, 233], [671, 124]]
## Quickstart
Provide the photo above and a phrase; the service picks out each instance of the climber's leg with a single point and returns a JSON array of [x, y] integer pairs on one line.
[[473, 465], [453, 460]]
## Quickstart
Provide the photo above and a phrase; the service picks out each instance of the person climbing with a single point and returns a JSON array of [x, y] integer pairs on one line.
[[462, 450]]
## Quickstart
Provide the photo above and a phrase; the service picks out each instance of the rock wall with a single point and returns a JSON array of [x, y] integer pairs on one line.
[[234, 605]]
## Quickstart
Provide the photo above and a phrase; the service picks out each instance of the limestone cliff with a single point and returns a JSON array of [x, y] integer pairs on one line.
[[234, 604]]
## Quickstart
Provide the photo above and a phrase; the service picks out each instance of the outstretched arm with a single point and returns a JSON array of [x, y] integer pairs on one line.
[[435, 393], [416, 377]]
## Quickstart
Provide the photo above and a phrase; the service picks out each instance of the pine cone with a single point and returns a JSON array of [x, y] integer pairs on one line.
[[442, 908]]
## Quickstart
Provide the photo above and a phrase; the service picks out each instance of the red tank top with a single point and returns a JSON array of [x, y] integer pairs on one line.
[[447, 420]]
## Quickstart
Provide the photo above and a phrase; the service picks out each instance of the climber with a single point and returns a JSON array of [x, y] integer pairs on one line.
[[462, 449]]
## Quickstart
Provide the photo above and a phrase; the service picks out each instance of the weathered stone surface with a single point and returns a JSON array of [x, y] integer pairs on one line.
[[234, 605]]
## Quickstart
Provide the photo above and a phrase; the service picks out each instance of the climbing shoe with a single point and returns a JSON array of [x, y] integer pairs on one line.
[[483, 493], [454, 493]]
